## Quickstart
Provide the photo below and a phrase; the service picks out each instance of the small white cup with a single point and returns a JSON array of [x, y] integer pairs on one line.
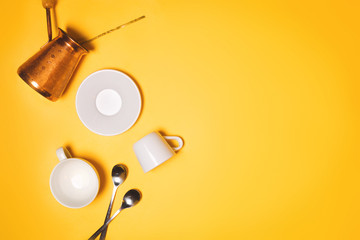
[[73, 182], [153, 149]]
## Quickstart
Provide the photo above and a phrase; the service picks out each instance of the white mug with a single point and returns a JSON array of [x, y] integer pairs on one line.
[[74, 182], [153, 149]]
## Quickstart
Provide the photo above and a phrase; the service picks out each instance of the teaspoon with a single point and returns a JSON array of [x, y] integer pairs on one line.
[[131, 198]]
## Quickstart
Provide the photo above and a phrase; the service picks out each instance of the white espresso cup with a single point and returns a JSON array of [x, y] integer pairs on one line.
[[74, 182], [153, 149]]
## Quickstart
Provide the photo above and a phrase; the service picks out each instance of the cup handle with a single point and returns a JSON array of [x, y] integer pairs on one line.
[[62, 153], [178, 139]]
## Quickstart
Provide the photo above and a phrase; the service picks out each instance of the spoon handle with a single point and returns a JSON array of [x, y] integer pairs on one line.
[[105, 225], [111, 30], [103, 234]]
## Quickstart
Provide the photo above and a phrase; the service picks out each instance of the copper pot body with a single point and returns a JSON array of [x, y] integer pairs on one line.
[[50, 69]]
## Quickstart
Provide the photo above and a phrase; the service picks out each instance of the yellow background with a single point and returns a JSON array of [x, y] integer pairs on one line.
[[264, 93]]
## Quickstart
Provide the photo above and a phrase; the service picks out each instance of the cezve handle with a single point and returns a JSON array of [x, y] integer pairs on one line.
[[47, 4]]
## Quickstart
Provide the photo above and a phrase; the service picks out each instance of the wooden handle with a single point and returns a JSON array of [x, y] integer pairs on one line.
[[48, 3]]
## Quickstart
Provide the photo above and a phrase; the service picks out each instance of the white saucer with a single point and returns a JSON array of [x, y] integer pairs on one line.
[[108, 102]]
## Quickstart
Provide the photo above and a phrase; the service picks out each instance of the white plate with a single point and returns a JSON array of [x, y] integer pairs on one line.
[[108, 102]]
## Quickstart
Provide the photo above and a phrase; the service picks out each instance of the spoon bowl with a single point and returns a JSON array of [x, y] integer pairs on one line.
[[131, 198], [119, 174]]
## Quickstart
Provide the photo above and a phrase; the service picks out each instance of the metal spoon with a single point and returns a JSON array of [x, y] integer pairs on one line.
[[131, 198], [119, 174]]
